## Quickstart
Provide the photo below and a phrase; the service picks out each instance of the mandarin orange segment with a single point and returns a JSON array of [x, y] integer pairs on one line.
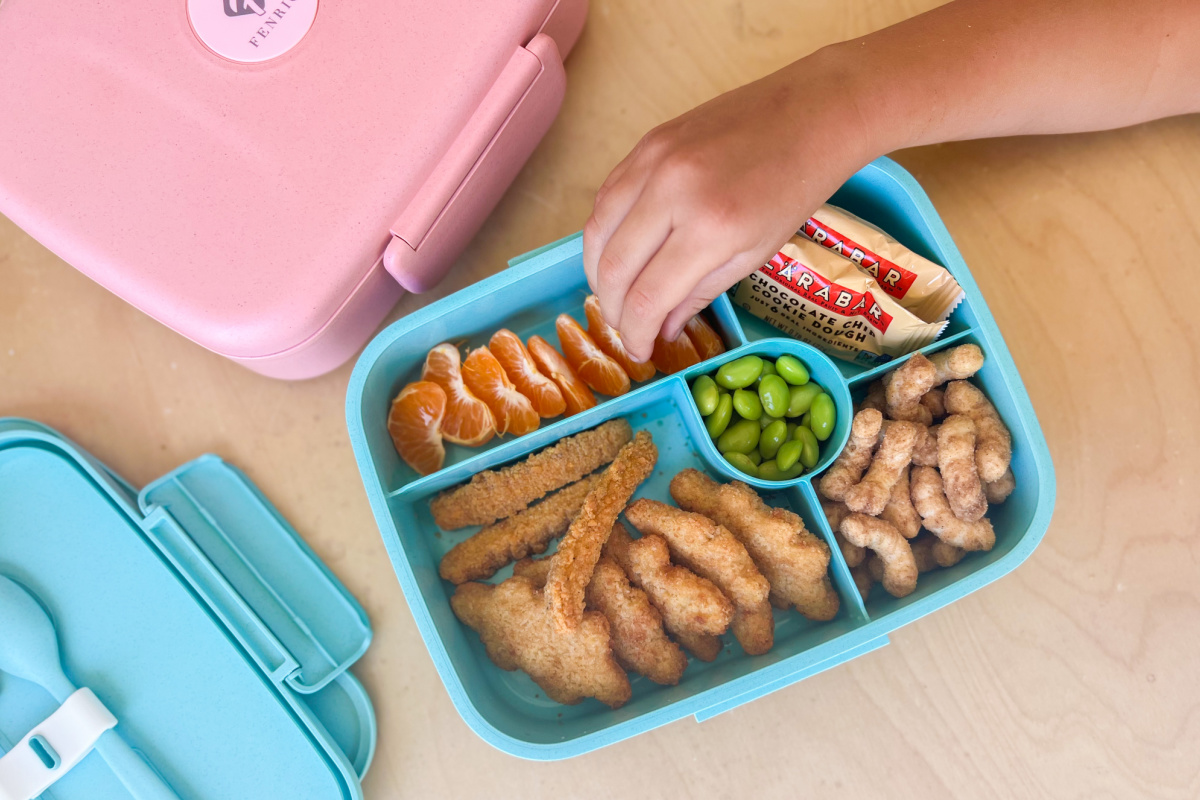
[[670, 357], [706, 341], [590, 362], [486, 379], [413, 423], [575, 392], [607, 338], [468, 420], [543, 393]]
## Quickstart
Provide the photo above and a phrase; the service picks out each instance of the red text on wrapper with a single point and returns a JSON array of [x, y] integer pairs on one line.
[[892, 278], [826, 294]]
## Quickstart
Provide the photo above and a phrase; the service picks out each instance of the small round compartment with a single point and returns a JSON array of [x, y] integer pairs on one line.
[[821, 370]]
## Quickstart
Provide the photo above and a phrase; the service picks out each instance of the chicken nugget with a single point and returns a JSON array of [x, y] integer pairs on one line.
[[579, 550], [496, 494], [993, 441], [710, 550], [870, 495], [906, 386], [930, 501], [693, 609], [957, 363], [899, 567], [519, 632], [794, 561], [638, 639], [855, 457], [998, 491], [899, 509], [525, 532], [956, 463]]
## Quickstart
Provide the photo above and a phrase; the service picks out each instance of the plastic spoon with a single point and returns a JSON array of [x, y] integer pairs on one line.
[[29, 650]]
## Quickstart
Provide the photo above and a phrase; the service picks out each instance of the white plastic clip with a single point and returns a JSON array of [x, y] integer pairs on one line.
[[53, 747]]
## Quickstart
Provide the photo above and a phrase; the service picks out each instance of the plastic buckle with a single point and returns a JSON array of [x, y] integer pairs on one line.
[[54, 746]]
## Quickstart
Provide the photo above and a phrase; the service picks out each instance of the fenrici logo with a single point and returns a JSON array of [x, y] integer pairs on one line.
[[239, 8]]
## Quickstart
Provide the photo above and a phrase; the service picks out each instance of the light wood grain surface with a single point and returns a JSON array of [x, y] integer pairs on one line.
[[1073, 677]]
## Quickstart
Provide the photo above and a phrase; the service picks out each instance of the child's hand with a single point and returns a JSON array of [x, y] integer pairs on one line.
[[707, 198]]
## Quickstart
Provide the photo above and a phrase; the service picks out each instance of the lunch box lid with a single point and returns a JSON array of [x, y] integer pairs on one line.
[[244, 203], [196, 614]]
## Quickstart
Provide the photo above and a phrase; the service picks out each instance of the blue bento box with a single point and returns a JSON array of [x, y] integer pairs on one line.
[[507, 709]]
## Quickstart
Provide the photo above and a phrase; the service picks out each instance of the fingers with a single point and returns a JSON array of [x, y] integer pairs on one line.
[[614, 199], [628, 251]]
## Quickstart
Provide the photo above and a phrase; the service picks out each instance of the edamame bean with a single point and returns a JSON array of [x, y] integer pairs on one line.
[[770, 471], [765, 420], [824, 415], [768, 369], [718, 421], [742, 463], [775, 395], [772, 436], [789, 454], [740, 373], [810, 453], [791, 429], [806, 420], [704, 392], [740, 437], [746, 404], [792, 370], [755, 456], [800, 399]]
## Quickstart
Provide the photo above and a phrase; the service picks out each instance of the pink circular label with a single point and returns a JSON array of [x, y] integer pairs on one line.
[[251, 31]]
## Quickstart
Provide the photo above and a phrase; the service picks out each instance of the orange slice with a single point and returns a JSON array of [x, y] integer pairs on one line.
[[468, 420], [413, 423], [590, 362], [706, 341], [518, 365], [670, 357], [575, 392], [486, 379], [607, 338]]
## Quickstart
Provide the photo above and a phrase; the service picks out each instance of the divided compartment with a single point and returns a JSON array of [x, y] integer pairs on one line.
[[507, 709]]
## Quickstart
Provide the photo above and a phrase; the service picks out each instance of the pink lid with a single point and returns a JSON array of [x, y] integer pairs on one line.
[[241, 204]]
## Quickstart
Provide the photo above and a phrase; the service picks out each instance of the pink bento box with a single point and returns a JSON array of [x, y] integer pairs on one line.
[[267, 177]]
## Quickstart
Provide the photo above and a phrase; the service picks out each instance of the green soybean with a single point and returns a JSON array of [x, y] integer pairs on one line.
[[800, 399], [810, 453], [806, 420], [789, 454], [740, 373], [791, 370], [768, 369], [742, 463], [772, 436], [775, 395], [746, 404], [770, 471], [704, 392], [718, 421], [755, 456], [824, 415], [740, 437], [791, 429], [765, 420]]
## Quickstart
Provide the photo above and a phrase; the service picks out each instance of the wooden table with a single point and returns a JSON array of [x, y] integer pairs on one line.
[[1073, 677]]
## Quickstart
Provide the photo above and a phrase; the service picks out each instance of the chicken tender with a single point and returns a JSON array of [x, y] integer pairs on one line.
[[693, 609], [525, 532], [793, 560], [518, 631], [638, 639], [899, 567], [496, 494], [579, 550], [710, 550], [930, 501]]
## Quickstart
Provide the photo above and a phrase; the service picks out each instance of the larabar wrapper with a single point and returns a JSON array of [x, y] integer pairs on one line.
[[923, 287], [823, 299]]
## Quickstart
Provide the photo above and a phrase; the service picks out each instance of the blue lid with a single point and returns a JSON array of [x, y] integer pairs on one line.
[[200, 619]]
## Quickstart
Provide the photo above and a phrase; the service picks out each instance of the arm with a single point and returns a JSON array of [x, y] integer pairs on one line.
[[706, 198]]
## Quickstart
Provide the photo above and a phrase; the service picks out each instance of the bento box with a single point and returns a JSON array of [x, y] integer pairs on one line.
[[506, 708]]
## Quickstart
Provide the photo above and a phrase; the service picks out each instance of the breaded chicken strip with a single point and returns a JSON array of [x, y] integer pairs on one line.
[[638, 639], [693, 609], [710, 550], [518, 631], [496, 494], [525, 532], [794, 561], [579, 550]]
